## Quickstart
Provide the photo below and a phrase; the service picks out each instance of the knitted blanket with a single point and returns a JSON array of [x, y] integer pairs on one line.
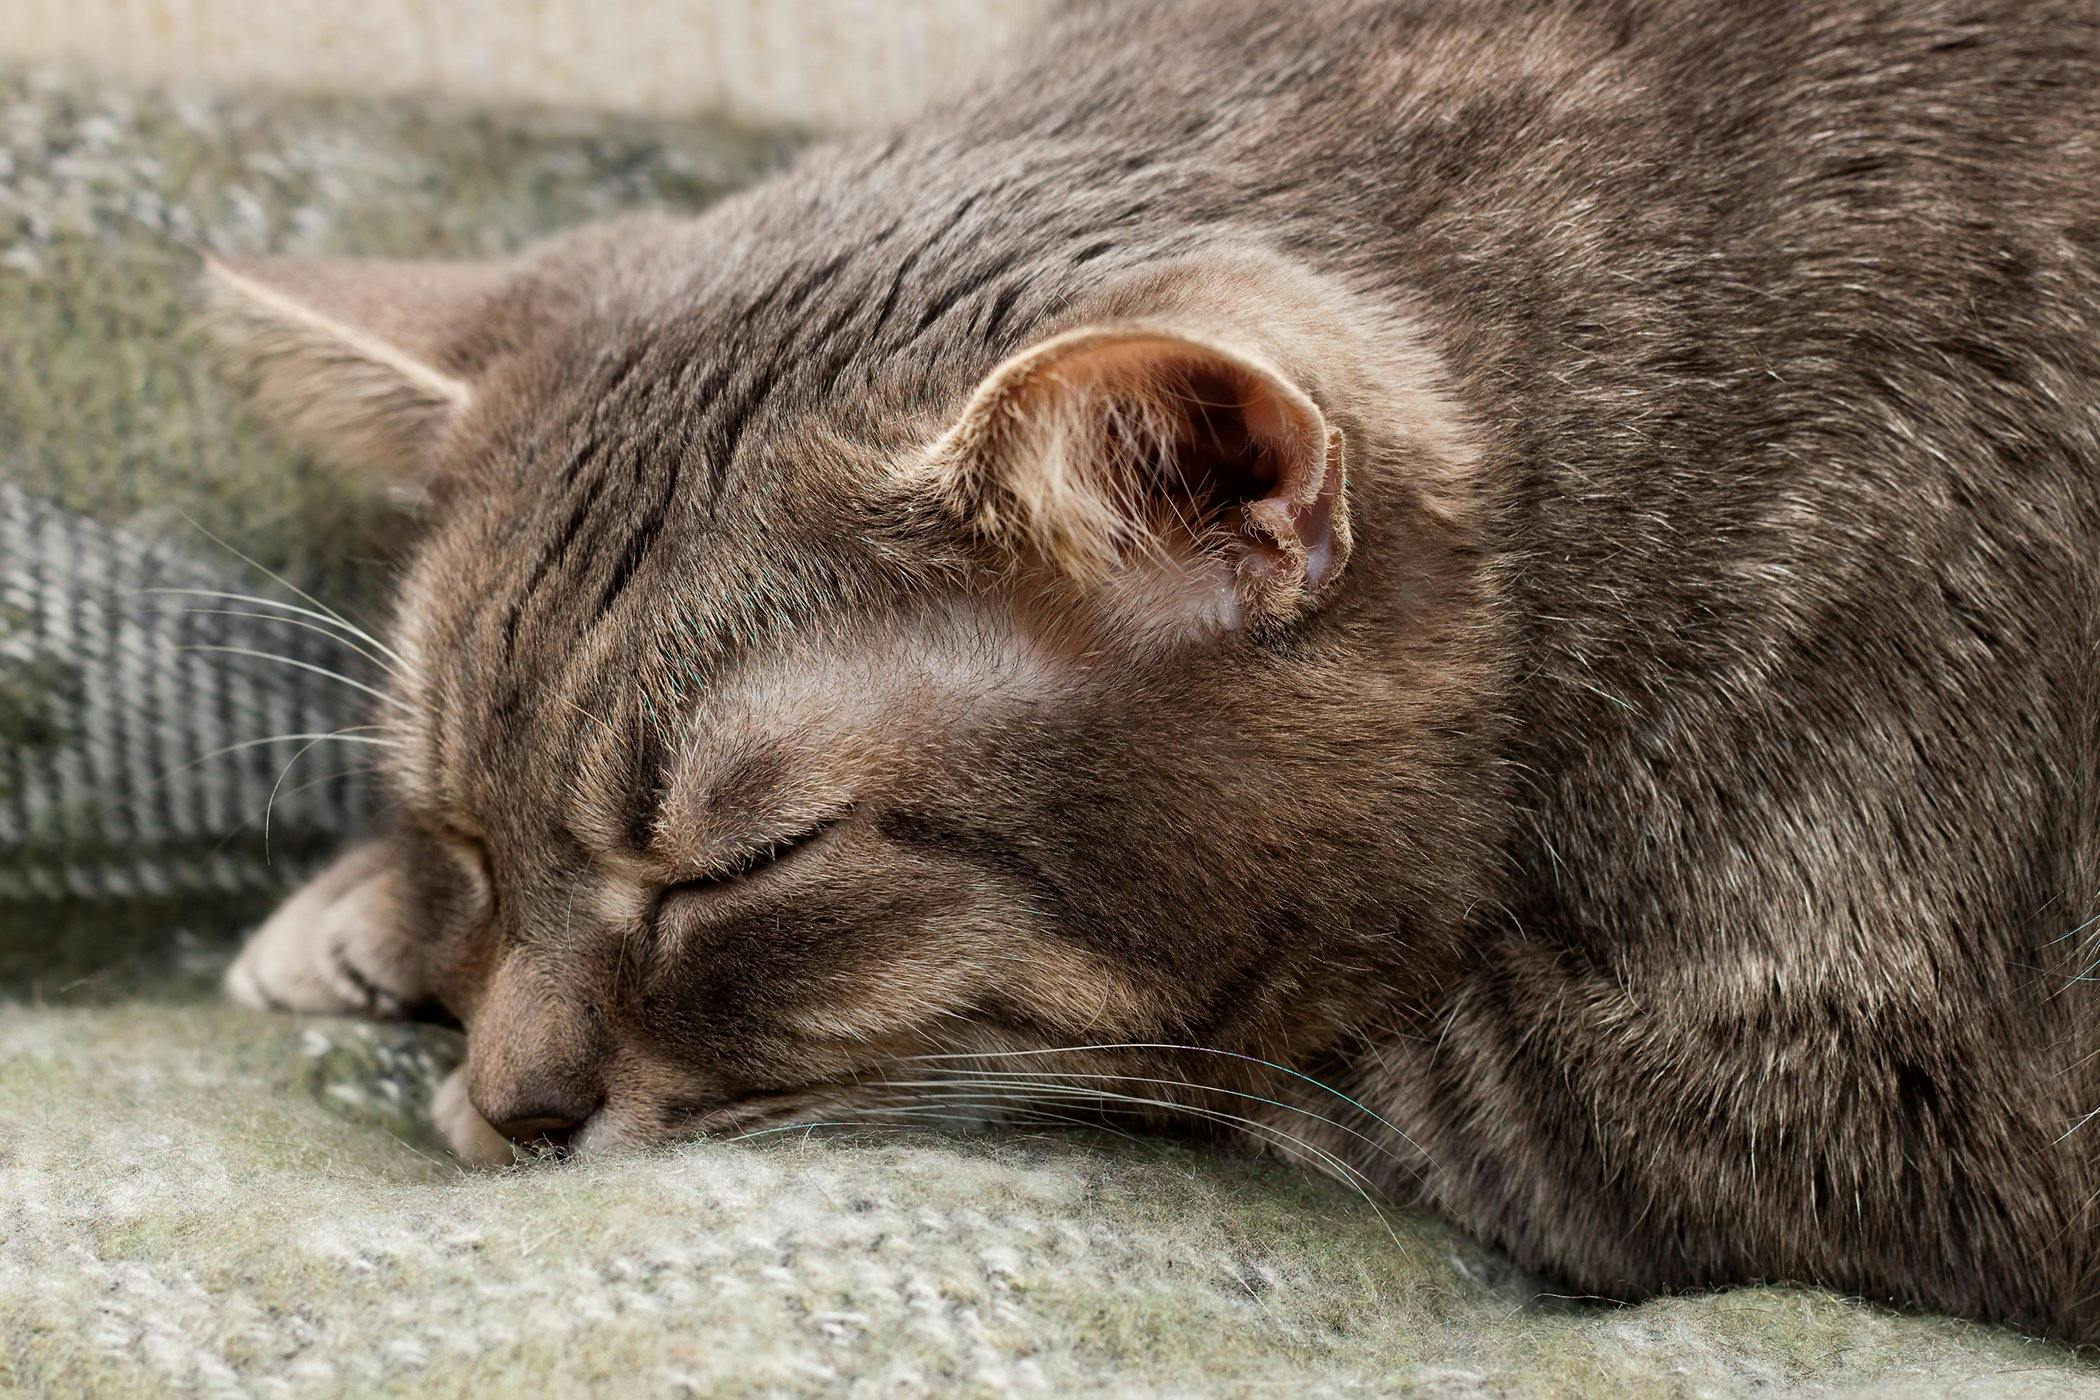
[[197, 1199], [151, 710]]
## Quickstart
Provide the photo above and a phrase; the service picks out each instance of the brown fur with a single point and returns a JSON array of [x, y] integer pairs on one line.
[[1669, 813]]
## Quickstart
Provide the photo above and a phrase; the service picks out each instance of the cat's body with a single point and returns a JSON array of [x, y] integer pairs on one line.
[[1628, 719]]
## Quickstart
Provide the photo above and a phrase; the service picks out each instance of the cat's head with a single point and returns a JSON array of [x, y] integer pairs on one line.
[[819, 653]]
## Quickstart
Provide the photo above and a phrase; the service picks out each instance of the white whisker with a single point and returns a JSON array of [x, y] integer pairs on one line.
[[350, 735], [295, 588], [373, 691], [346, 736], [1281, 1138], [340, 639], [332, 775], [1006, 1108], [1362, 1108], [270, 805], [1056, 1076], [808, 1127]]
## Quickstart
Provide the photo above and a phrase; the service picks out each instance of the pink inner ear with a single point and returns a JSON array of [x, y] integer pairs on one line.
[[1129, 452], [1316, 525], [1222, 461], [1252, 463]]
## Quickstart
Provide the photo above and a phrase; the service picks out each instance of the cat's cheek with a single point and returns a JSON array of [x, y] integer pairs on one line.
[[465, 1131]]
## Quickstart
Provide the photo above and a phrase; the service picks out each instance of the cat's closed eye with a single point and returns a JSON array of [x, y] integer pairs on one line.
[[753, 862], [460, 875]]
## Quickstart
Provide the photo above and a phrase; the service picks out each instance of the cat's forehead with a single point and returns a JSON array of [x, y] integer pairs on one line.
[[655, 480], [686, 728], [573, 615], [619, 587]]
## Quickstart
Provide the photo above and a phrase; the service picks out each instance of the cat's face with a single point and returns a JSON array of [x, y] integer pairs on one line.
[[765, 727]]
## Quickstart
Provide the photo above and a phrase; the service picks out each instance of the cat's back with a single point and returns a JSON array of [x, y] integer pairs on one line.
[[1659, 187], [1476, 84]]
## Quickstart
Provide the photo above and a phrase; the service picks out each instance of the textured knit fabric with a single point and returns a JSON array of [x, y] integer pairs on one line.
[[209, 1202]]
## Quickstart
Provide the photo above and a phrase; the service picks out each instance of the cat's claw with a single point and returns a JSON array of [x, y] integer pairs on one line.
[[335, 946]]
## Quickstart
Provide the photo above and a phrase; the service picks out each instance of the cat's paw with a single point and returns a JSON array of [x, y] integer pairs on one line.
[[338, 945]]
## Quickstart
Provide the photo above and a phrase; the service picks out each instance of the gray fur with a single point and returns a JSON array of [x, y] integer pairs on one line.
[[1672, 817]]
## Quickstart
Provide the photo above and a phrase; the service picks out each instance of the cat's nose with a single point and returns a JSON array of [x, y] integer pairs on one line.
[[544, 1131], [535, 1062], [538, 1112], [534, 1115]]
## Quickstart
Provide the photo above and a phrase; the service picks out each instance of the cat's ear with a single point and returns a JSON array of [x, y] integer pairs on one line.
[[1190, 481], [366, 361]]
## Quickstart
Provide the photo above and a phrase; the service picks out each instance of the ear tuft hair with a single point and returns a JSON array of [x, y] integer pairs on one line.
[[350, 356]]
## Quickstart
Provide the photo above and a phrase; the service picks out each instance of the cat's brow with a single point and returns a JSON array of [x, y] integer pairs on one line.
[[648, 785]]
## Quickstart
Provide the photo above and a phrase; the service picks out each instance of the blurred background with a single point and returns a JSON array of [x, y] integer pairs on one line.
[[800, 63]]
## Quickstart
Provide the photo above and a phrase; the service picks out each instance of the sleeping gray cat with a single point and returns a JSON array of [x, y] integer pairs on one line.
[[1531, 565]]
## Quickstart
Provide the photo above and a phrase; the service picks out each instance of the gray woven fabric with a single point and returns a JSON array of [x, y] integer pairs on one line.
[[129, 715]]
